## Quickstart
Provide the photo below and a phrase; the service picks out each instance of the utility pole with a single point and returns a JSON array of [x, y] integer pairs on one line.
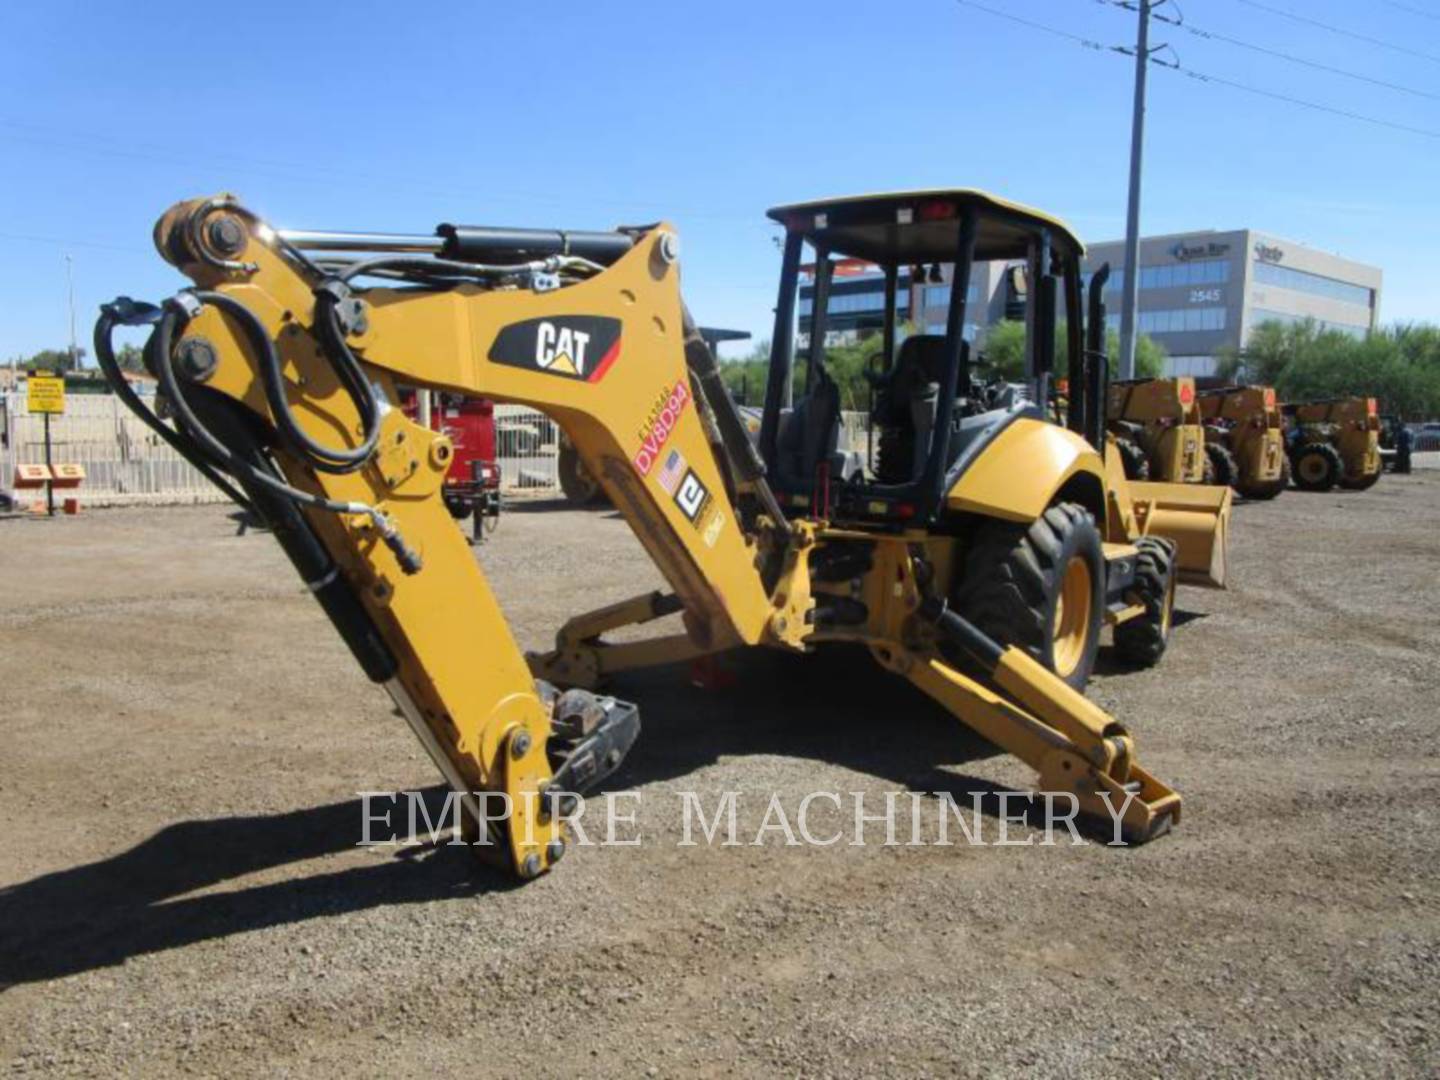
[[1131, 285], [70, 284]]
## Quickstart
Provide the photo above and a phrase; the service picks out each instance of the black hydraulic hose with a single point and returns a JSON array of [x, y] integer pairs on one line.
[[126, 312], [347, 369], [744, 457], [232, 462], [236, 464]]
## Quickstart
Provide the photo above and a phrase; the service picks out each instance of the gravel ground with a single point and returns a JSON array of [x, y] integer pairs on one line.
[[180, 890]]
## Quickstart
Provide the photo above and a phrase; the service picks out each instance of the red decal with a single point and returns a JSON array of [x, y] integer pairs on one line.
[[605, 362], [662, 420]]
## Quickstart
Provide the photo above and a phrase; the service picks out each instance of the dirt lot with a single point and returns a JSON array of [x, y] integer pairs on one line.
[[184, 738]]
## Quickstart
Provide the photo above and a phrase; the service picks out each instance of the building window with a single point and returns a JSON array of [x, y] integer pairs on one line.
[[938, 296], [848, 303], [1286, 277], [970, 333], [1181, 320], [1264, 315], [1172, 275]]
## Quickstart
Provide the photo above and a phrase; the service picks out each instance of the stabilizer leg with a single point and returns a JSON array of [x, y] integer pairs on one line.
[[580, 658], [1074, 745]]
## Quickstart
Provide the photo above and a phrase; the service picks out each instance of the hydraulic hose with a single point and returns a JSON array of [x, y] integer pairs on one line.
[[347, 369], [126, 312], [181, 309]]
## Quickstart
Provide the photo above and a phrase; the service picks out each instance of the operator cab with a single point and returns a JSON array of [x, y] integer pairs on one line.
[[933, 402]]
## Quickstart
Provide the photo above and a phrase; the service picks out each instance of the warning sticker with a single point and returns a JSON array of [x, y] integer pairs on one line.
[[711, 532]]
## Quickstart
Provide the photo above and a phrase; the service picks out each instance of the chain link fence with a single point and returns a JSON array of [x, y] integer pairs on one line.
[[128, 464]]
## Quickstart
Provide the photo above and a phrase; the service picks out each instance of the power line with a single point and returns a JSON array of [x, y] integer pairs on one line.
[[106, 145], [1413, 10], [1434, 59], [1056, 31], [1315, 105], [1200, 76], [1216, 35], [60, 241]]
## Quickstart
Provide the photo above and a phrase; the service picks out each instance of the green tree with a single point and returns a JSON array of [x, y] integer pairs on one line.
[[745, 377], [1271, 346], [1399, 365], [130, 357], [56, 360], [1004, 347]]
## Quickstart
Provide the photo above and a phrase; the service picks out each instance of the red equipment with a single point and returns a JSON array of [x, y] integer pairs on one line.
[[472, 484]]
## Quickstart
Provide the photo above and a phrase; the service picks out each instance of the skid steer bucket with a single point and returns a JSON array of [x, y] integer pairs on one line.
[[1196, 517]]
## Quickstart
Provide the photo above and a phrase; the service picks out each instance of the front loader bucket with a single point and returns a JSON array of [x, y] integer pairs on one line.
[[1197, 518]]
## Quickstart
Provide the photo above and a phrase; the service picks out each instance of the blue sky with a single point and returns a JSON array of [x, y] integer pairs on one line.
[[397, 116]]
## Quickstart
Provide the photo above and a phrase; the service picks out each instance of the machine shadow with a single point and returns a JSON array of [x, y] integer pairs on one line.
[[837, 706], [537, 504], [103, 913]]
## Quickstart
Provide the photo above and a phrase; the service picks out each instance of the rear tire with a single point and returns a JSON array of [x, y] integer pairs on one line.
[[579, 486], [1041, 588], [1271, 489], [1317, 467], [1142, 641], [1362, 483], [1223, 469], [1136, 464]]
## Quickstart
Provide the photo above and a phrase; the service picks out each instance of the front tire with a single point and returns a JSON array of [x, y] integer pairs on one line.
[[1040, 588], [1223, 468], [1142, 641], [1133, 460], [1317, 467], [576, 481]]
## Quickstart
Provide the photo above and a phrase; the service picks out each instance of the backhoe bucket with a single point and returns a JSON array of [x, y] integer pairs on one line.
[[1197, 518]]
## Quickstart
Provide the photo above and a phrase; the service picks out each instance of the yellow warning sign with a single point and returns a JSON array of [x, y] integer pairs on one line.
[[46, 394]]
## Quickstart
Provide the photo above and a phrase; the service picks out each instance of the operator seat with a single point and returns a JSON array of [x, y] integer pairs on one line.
[[905, 402], [907, 411], [809, 434]]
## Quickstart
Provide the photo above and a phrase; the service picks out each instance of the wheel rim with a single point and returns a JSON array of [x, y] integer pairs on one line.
[[1312, 468], [1167, 611], [1071, 629]]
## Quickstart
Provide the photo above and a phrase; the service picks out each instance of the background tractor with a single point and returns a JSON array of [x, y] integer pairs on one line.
[[1333, 441], [1244, 440], [1158, 430]]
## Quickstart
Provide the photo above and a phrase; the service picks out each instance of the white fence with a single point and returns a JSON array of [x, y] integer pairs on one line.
[[527, 444], [127, 463]]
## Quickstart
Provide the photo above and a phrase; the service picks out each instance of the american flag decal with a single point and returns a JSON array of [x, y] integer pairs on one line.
[[674, 468]]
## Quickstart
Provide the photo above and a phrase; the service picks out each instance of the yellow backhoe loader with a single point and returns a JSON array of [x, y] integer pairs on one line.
[[978, 561], [1245, 440], [1334, 441], [1158, 430]]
